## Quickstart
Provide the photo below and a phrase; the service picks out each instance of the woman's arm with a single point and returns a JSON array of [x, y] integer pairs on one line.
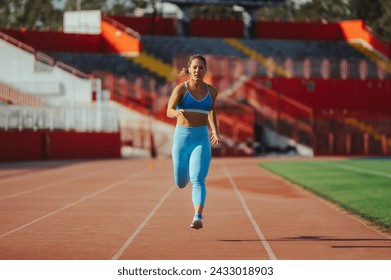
[[212, 118], [175, 98]]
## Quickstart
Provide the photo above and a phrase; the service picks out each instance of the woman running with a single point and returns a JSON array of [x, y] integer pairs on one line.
[[192, 103]]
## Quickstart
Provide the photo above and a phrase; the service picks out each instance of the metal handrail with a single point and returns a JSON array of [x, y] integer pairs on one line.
[[121, 26]]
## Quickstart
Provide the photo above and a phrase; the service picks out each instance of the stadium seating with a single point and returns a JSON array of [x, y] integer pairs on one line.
[[299, 49], [292, 73], [168, 47]]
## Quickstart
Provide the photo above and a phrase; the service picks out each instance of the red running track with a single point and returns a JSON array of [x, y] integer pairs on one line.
[[130, 209]]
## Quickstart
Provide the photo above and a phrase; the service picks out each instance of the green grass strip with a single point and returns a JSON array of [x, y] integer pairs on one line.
[[362, 186]]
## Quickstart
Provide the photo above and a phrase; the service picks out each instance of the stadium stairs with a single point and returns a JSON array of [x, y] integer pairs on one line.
[[36, 118], [155, 65], [18, 119], [303, 129], [290, 125], [251, 103], [261, 59], [285, 125], [372, 54]]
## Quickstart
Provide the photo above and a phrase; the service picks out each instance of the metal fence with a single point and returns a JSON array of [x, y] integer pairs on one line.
[[94, 117]]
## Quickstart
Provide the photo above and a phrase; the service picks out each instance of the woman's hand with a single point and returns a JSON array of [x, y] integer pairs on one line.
[[215, 139], [179, 113]]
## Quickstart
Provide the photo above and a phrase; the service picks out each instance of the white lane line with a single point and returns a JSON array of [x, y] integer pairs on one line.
[[356, 169], [36, 172], [109, 187], [141, 226], [265, 244], [49, 185]]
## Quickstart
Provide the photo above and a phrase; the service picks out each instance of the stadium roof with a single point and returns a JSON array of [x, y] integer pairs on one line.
[[245, 3]]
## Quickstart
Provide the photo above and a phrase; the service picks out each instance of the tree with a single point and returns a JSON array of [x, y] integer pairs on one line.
[[329, 10], [384, 22], [37, 14], [11, 12], [315, 10], [30, 14], [41, 14], [86, 5], [214, 11], [284, 12], [121, 7], [376, 14]]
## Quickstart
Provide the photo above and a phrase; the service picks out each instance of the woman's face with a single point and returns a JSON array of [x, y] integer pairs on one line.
[[197, 70]]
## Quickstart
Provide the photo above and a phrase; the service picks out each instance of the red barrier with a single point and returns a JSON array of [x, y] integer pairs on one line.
[[21, 145], [351, 30], [298, 30], [38, 145], [68, 145], [58, 41], [150, 25], [368, 95], [217, 28]]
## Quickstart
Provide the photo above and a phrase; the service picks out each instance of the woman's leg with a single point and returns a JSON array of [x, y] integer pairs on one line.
[[199, 167], [180, 158], [191, 154]]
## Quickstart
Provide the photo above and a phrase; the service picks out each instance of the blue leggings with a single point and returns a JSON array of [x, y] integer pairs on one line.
[[191, 154]]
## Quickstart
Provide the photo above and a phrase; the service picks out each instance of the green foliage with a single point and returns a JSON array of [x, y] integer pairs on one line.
[[11, 12], [141, 3], [214, 11], [314, 10], [121, 7], [331, 10], [86, 4], [285, 13], [42, 15], [375, 13]]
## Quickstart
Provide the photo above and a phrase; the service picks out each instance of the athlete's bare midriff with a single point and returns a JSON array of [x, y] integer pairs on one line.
[[191, 119]]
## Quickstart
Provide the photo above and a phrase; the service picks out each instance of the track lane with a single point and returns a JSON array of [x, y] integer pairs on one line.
[[300, 225], [168, 235], [295, 223], [90, 218]]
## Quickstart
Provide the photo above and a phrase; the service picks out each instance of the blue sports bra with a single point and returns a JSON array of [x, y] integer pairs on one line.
[[190, 104]]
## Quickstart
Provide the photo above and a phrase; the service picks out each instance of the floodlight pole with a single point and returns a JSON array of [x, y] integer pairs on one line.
[[78, 5]]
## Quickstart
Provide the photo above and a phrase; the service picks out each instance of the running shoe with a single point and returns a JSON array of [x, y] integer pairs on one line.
[[197, 222]]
